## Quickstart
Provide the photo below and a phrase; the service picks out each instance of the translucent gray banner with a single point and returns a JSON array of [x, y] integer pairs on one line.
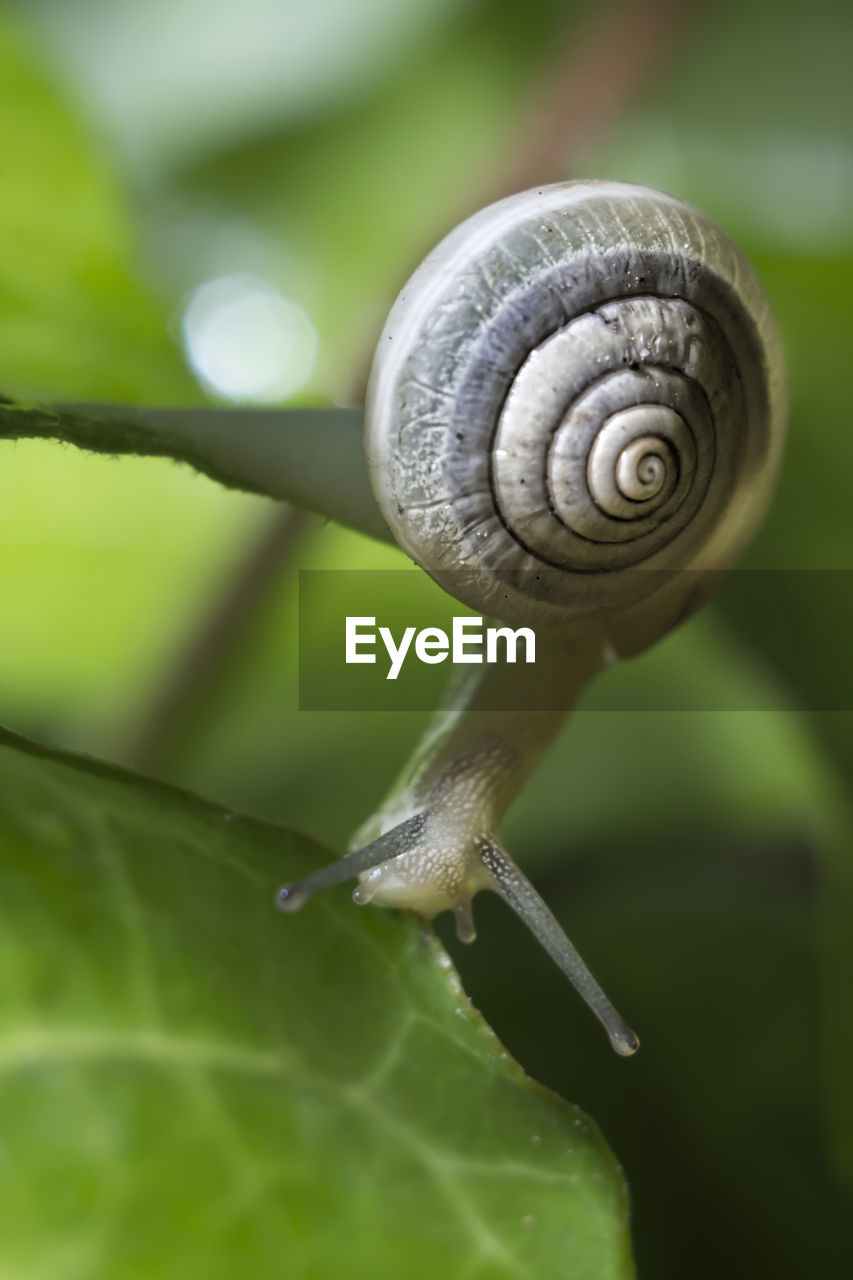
[[766, 640]]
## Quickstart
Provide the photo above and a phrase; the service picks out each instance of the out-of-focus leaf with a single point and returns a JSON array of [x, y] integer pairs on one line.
[[194, 1084], [173, 79], [100, 562], [724, 751], [73, 321], [103, 563], [723, 129], [837, 957]]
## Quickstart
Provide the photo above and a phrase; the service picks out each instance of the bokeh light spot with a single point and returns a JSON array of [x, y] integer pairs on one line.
[[246, 341]]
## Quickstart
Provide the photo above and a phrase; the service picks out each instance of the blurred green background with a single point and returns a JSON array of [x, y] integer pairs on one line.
[[201, 201]]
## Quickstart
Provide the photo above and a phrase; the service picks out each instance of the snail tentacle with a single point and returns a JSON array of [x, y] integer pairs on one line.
[[517, 891], [291, 897]]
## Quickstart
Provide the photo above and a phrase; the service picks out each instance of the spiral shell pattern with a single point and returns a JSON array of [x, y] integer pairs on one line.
[[580, 382]]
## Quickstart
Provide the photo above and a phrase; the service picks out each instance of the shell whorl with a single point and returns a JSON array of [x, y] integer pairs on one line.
[[580, 382]]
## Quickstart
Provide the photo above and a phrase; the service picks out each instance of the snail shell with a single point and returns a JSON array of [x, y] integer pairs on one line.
[[580, 390]]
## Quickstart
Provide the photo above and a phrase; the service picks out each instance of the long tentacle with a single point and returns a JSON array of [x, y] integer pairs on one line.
[[516, 890], [399, 839]]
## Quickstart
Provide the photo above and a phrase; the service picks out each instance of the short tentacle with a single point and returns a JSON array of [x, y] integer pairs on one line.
[[466, 930]]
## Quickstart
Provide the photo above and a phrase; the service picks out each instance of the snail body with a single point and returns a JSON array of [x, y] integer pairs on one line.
[[576, 410]]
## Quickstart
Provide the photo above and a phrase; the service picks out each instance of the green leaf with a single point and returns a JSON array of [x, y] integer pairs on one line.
[[195, 1085]]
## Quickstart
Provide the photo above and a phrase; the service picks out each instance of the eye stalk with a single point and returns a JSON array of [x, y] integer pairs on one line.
[[291, 897]]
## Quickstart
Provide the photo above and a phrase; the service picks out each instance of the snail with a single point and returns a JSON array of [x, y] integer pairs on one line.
[[574, 421]]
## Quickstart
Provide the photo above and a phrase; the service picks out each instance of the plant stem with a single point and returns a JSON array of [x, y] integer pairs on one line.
[[312, 458]]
